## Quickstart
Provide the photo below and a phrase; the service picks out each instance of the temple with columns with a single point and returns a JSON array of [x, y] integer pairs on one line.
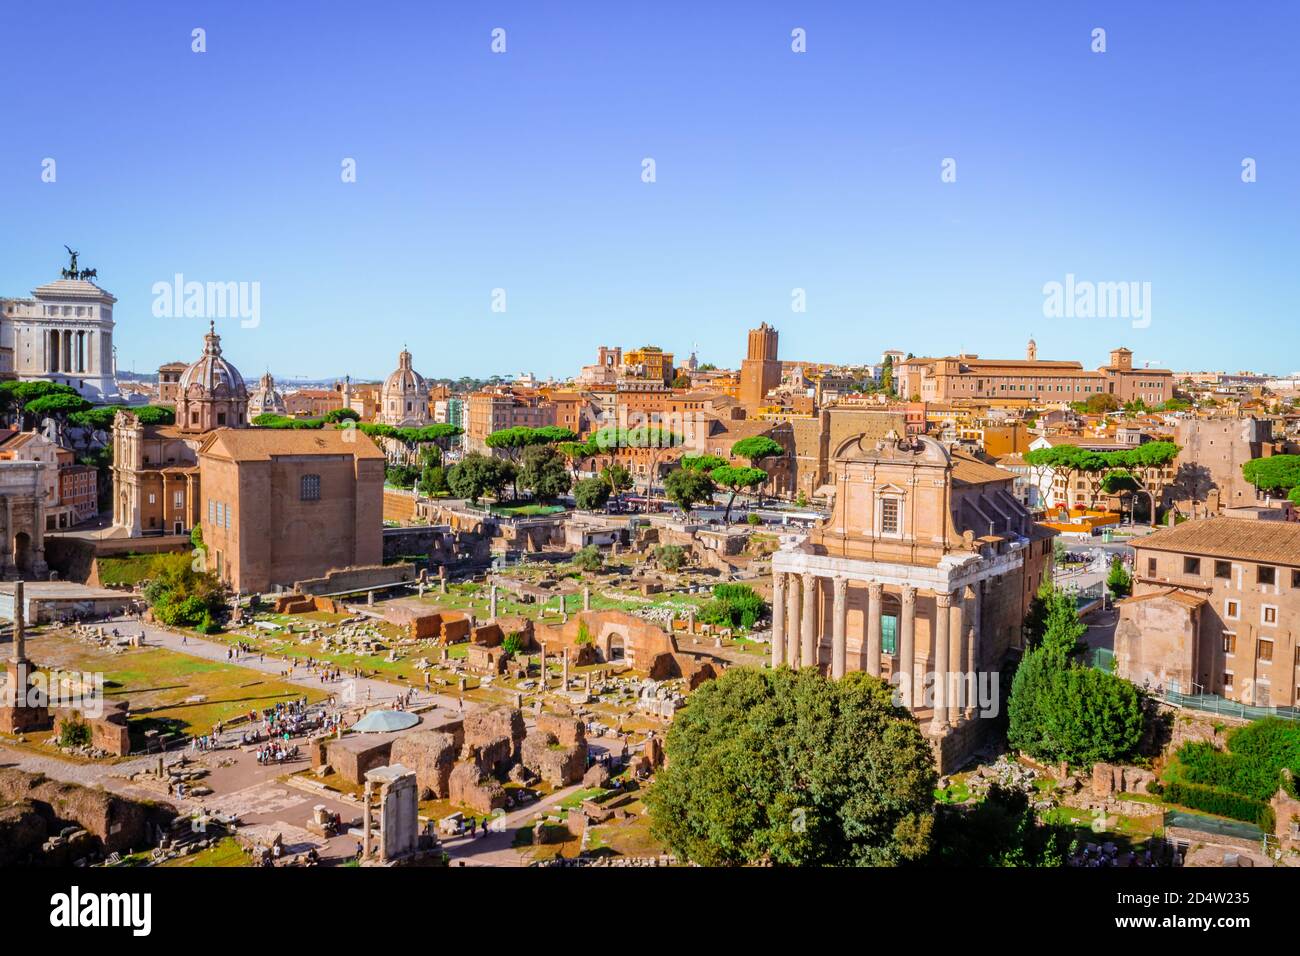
[[922, 575]]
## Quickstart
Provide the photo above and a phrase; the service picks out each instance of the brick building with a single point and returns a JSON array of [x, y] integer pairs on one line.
[[282, 506], [969, 376], [1214, 609]]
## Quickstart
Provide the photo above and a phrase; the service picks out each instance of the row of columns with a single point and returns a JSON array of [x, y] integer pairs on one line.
[[796, 639], [70, 351]]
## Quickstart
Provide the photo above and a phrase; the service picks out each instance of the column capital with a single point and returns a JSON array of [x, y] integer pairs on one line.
[[943, 598], [875, 589], [808, 578], [841, 587], [908, 593]]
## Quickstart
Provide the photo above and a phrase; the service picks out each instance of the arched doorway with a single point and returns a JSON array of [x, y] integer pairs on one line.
[[617, 650], [23, 552]]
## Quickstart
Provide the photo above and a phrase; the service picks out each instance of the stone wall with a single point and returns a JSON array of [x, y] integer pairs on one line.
[[342, 580], [431, 755], [118, 824]]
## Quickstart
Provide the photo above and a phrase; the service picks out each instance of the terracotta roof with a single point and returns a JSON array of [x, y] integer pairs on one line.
[[1246, 539], [1173, 594], [972, 471], [263, 444]]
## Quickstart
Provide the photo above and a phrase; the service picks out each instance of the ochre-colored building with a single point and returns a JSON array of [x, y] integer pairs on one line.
[[922, 575], [969, 376], [280, 506], [1215, 610], [760, 370]]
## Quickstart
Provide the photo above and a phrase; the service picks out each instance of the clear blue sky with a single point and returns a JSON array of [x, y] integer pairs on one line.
[[522, 171]]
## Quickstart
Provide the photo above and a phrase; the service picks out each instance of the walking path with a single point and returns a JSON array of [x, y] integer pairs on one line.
[[253, 791]]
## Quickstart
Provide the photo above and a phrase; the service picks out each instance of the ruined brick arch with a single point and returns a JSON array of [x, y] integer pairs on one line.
[[614, 646]]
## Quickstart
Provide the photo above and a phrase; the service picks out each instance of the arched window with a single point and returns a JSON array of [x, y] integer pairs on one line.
[[309, 488]]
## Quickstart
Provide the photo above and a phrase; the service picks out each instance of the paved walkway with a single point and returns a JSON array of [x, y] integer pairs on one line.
[[264, 804]]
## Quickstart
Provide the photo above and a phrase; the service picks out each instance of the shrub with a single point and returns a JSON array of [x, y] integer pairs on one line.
[[733, 605], [512, 645], [1219, 802], [670, 556], [74, 733], [589, 558], [584, 634], [753, 519]]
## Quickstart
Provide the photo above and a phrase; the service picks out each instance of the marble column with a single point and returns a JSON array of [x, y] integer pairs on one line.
[[808, 627], [566, 670], [907, 645], [793, 619], [956, 655], [972, 650], [778, 618], [939, 638], [365, 822], [875, 595], [839, 632]]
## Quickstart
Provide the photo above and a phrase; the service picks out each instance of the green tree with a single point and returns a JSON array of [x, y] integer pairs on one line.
[[737, 480], [574, 452], [1119, 581], [792, 769], [618, 477], [887, 375], [433, 482], [589, 558], [686, 488], [1278, 474], [756, 448], [512, 645], [476, 475], [591, 494], [671, 557], [544, 473], [335, 415], [1061, 710]]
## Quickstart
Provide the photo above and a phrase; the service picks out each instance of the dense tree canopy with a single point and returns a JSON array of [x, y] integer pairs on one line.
[[1061, 710], [591, 494], [476, 475], [686, 487], [756, 448], [544, 473], [737, 480], [1277, 474], [791, 768]]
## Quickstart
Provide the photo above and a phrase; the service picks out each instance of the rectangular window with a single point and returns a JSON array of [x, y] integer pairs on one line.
[[309, 488], [212, 511], [1231, 610], [1191, 565], [1151, 567], [1268, 614], [1265, 574], [221, 514], [889, 516], [228, 517], [1223, 569], [1295, 579], [1265, 649], [1229, 642], [178, 499], [1227, 681]]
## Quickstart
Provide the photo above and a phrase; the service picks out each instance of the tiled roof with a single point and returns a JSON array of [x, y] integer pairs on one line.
[[972, 471], [260, 444], [1173, 594], [1246, 539]]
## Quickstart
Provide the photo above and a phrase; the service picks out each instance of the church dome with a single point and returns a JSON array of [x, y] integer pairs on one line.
[[211, 392], [266, 398], [212, 373], [405, 395]]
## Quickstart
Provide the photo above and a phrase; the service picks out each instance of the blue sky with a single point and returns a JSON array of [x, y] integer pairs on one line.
[[775, 171]]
